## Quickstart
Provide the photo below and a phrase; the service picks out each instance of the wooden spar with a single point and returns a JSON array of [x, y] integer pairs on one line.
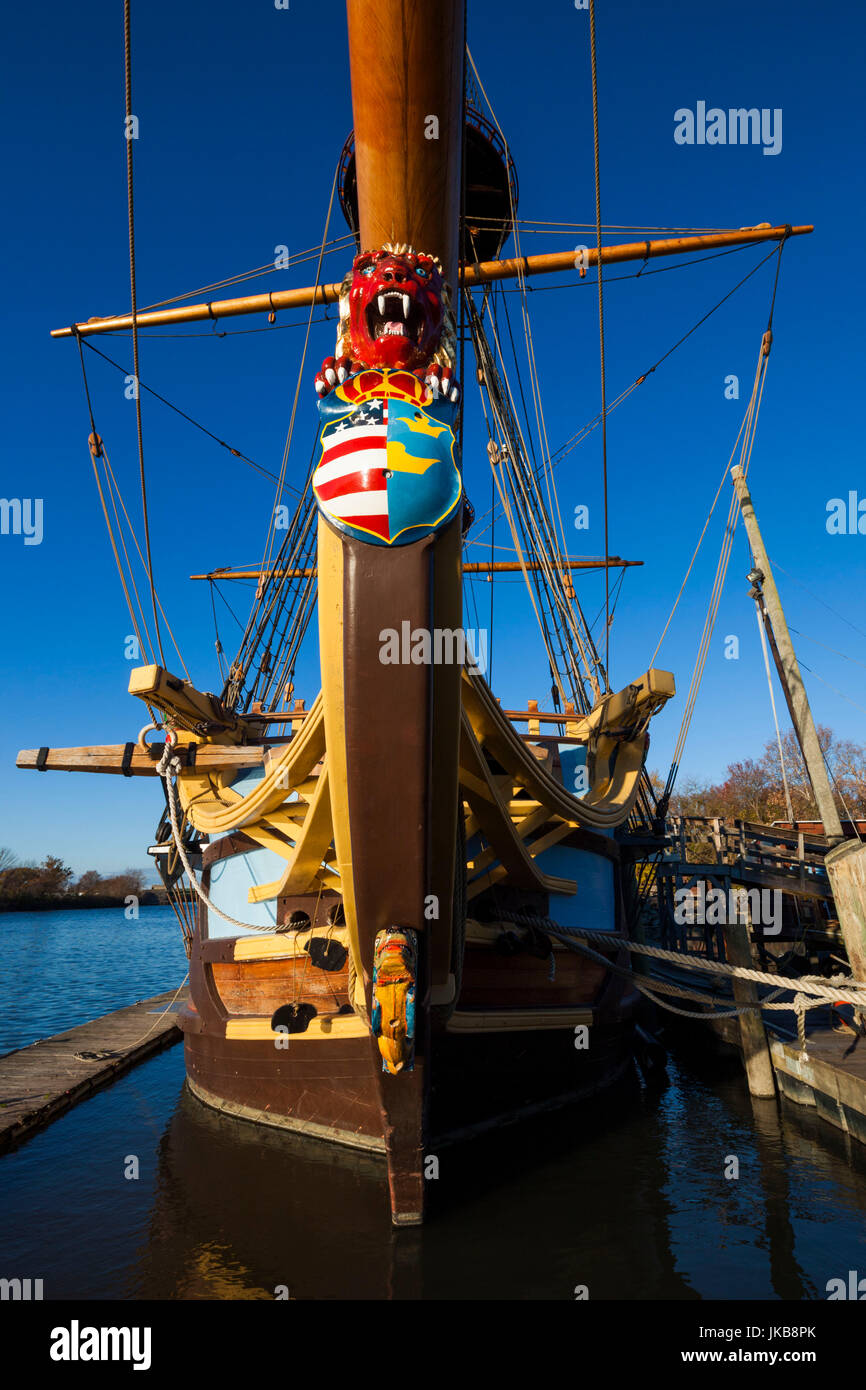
[[845, 863], [626, 251], [798, 701], [471, 275], [133, 760], [471, 567]]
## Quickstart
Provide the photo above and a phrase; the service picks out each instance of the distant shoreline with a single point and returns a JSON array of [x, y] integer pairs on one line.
[[73, 903]]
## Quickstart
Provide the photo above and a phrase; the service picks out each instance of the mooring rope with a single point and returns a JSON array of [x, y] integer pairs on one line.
[[168, 766], [800, 1004], [837, 989]]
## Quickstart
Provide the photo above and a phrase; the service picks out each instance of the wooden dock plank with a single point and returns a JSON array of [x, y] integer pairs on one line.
[[40, 1082]]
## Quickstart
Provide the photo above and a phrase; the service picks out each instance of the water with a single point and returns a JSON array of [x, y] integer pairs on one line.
[[627, 1196], [66, 968]]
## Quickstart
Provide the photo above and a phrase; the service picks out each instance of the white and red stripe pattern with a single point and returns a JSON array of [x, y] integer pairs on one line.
[[350, 482]]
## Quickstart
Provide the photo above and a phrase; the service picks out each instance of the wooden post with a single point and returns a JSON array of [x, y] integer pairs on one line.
[[804, 725], [845, 864], [756, 1053], [846, 868]]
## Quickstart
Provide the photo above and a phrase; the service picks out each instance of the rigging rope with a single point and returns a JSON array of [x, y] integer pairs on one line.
[[236, 453], [593, 60], [748, 431], [127, 56], [95, 446], [118, 495], [760, 616], [557, 609], [98, 450], [169, 765], [272, 527], [841, 616], [748, 434], [578, 438], [546, 543]]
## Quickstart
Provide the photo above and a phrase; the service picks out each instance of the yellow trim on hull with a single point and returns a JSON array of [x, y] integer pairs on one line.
[[260, 1030], [330, 563], [279, 946]]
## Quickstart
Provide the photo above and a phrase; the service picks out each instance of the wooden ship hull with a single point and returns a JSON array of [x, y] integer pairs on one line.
[[389, 892], [528, 1026], [374, 959], [410, 802], [509, 1021]]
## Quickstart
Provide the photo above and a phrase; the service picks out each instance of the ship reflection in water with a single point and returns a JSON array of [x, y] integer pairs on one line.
[[626, 1198]]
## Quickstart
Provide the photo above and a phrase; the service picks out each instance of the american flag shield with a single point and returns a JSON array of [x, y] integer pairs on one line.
[[387, 471]]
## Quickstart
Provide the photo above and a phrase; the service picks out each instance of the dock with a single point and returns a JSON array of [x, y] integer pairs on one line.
[[829, 1074], [40, 1082]]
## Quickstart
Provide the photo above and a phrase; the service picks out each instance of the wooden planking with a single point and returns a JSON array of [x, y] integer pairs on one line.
[[38, 1083], [517, 1020], [493, 981], [255, 988], [835, 1083]]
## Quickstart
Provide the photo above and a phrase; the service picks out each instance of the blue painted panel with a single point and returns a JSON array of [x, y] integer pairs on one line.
[[231, 880], [592, 906], [572, 757]]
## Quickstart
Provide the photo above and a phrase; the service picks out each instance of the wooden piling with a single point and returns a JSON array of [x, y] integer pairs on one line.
[[846, 869], [756, 1053]]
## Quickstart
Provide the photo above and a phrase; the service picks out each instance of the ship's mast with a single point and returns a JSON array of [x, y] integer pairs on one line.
[[406, 62]]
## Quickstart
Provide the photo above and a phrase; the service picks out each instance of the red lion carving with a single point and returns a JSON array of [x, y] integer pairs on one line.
[[393, 310]]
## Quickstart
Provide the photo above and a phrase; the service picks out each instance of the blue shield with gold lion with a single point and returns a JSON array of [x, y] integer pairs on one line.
[[387, 471]]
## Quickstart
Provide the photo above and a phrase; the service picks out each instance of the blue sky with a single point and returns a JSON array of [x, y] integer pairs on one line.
[[243, 110]]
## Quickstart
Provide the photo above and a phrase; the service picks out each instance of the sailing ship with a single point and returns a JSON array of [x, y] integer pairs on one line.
[[388, 883]]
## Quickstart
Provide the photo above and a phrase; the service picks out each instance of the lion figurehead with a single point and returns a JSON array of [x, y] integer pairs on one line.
[[395, 310]]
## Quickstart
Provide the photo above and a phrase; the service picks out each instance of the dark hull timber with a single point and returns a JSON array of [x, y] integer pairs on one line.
[[484, 1067], [529, 1029], [469, 815]]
